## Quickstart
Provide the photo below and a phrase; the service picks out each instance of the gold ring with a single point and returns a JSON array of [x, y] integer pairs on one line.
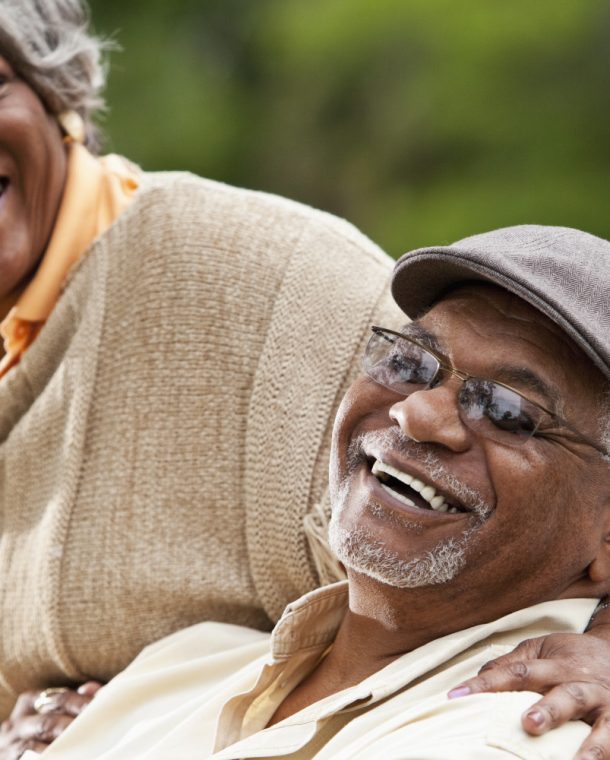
[[45, 699]]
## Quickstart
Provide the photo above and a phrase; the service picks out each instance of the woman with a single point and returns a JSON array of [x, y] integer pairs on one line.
[[167, 340]]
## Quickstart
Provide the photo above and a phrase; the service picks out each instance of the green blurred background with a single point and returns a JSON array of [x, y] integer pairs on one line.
[[421, 121]]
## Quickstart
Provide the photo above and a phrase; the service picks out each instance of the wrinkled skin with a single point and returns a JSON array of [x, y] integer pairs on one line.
[[552, 492], [28, 729]]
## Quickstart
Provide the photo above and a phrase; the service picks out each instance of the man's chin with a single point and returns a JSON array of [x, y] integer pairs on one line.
[[361, 552]]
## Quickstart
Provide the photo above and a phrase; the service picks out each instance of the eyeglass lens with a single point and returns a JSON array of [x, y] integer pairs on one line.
[[485, 406]]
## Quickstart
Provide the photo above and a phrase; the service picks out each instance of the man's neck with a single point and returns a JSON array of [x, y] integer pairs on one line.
[[375, 631], [377, 628]]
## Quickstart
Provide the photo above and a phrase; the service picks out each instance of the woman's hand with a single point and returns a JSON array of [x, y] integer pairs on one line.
[[573, 673], [38, 718]]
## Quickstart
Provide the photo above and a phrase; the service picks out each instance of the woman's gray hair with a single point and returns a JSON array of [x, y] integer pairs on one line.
[[48, 44]]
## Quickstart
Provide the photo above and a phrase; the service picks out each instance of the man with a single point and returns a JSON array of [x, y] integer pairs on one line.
[[471, 508]]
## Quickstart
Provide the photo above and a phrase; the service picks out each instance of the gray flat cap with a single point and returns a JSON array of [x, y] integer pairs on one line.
[[565, 273]]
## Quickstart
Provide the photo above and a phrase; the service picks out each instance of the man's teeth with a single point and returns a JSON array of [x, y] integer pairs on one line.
[[384, 471], [400, 497]]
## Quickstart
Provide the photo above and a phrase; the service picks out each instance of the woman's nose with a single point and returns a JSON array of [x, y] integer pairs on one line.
[[431, 416]]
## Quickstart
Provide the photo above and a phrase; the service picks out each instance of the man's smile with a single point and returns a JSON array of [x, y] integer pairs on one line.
[[400, 515], [409, 490], [409, 477]]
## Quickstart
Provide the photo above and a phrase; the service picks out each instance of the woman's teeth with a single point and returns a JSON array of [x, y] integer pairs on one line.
[[383, 472]]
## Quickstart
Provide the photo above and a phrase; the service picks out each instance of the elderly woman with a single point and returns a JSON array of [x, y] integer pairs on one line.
[[167, 339]]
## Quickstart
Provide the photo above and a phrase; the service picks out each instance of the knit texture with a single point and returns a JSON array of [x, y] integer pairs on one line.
[[164, 438]]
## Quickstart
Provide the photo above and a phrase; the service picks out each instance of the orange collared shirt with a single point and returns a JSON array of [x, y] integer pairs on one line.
[[97, 192]]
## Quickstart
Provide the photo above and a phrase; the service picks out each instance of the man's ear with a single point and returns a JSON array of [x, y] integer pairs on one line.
[[598, 571]]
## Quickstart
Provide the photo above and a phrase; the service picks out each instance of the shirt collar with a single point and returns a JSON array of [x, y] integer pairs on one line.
[[310, 622]]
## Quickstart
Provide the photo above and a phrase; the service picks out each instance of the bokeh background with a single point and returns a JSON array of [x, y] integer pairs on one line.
[[421, 121]]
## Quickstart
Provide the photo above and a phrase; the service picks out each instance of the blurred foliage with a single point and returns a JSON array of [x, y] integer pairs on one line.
[[421, 121]]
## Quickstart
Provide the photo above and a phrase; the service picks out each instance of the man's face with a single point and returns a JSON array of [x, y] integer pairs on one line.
[[522, 524]]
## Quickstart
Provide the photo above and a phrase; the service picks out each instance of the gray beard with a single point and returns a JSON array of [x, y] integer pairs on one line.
[[359, 550]]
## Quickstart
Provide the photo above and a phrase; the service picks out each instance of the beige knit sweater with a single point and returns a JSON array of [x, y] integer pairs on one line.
[[163, 440]]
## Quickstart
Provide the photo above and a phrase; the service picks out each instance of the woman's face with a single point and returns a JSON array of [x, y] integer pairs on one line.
[[32, 176]]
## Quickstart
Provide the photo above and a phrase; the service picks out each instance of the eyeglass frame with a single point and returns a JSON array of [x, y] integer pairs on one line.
[[444, 365]]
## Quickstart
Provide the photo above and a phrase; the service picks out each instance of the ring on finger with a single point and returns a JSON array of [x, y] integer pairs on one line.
[[46, 698]]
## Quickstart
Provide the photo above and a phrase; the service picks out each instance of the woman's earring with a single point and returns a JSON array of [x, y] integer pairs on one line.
[[72, 126]]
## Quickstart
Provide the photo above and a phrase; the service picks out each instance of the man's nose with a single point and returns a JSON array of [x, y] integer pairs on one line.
[[432, 416]]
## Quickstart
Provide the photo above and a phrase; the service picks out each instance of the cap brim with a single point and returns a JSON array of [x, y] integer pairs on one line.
[[423, 276]]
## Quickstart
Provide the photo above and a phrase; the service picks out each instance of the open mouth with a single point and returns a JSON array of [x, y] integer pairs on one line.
[[4, 183], [411, 491]]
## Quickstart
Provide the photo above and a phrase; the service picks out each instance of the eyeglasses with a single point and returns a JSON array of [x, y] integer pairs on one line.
[[490, 408]]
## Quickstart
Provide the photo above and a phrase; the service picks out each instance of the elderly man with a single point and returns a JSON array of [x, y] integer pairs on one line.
[[471, 508]]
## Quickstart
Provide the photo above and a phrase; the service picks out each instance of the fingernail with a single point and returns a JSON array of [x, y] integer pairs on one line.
[[536, 717], [459, 691]]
